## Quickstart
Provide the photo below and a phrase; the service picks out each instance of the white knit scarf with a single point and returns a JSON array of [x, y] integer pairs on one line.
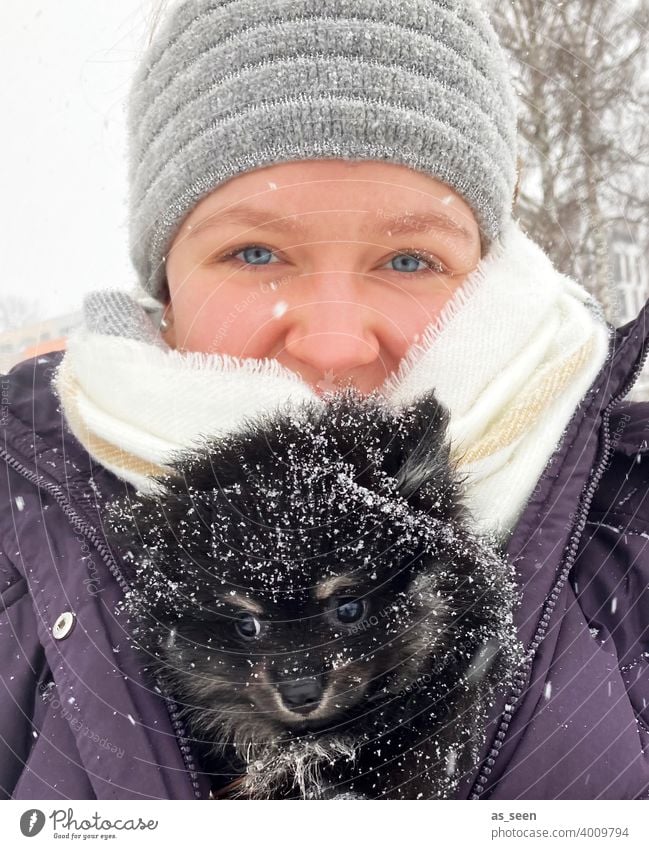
[[511, 356]]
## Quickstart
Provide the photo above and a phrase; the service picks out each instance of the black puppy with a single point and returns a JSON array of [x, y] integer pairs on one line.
[[311, 594]]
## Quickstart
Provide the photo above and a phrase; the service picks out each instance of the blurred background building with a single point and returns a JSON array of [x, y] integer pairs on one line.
[[35, 338]]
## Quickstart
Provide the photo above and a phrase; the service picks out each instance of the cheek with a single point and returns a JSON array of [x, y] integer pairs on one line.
[[221, 316], [412, 312], [222, 319]]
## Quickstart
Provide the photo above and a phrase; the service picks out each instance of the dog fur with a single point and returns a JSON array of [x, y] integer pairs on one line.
[[302, 518]]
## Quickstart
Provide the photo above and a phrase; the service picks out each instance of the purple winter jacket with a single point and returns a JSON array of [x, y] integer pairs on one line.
[[79, 720]]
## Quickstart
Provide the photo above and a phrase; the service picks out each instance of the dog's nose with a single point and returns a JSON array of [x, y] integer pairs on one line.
[[302, 696]]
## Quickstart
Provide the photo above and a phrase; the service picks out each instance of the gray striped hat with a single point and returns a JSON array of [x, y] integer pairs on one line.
[[231, 85]]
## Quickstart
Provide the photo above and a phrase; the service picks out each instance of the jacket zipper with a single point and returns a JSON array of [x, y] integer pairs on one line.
[[88, 531], [551, 600]]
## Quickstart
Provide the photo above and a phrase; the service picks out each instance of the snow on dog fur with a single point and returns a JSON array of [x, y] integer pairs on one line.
[[309, 591]]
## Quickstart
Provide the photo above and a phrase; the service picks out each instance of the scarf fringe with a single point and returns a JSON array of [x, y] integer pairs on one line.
[[511, 355], [450, 311]]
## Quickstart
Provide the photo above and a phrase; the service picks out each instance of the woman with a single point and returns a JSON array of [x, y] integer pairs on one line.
[[367, 150]]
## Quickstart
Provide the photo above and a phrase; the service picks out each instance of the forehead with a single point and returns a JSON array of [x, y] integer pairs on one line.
[[317, 544], [278, 587], [307, 498], [308, 194]]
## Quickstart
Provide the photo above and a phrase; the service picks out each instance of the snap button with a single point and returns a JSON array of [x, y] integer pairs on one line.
[[63, 626]]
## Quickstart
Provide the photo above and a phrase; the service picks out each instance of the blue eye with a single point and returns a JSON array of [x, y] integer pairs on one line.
[[419, 256], [258, 256], [253, 255], [248, 626], [350, 610]]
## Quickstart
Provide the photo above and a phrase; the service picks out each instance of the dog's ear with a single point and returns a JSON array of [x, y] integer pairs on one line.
[[417, 455], [425, 452], [408, 443]]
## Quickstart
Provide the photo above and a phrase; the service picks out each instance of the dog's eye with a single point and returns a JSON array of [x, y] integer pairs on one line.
[[248, 626], [350, 610]]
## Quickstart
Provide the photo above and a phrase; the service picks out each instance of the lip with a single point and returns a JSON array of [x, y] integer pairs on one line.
[[305, 711], [304, 724], [304, 720]]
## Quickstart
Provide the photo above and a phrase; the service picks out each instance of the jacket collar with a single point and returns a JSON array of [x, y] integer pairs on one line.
[[542, 532], [545, 541]]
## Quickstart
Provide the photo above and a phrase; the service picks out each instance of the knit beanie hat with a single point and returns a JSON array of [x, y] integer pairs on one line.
[[228, 86]]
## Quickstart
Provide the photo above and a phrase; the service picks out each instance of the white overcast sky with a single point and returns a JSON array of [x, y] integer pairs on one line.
[[64, 75]]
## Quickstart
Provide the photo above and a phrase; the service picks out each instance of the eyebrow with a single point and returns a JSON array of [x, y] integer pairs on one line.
[[425, 221], [242, 602], [329, 586]]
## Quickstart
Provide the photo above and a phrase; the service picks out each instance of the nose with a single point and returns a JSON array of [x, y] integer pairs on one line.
[[301, 696], [334, 331]]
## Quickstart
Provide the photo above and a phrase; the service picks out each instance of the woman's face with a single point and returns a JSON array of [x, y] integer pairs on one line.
[[333, 268]]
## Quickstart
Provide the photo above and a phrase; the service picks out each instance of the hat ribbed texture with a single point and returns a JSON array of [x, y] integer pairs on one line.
[[232, 85]]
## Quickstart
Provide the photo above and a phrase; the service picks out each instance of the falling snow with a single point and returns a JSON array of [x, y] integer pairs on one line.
[[279, 309]]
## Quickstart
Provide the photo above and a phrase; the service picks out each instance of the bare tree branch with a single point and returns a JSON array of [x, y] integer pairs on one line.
[[581, 73]]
